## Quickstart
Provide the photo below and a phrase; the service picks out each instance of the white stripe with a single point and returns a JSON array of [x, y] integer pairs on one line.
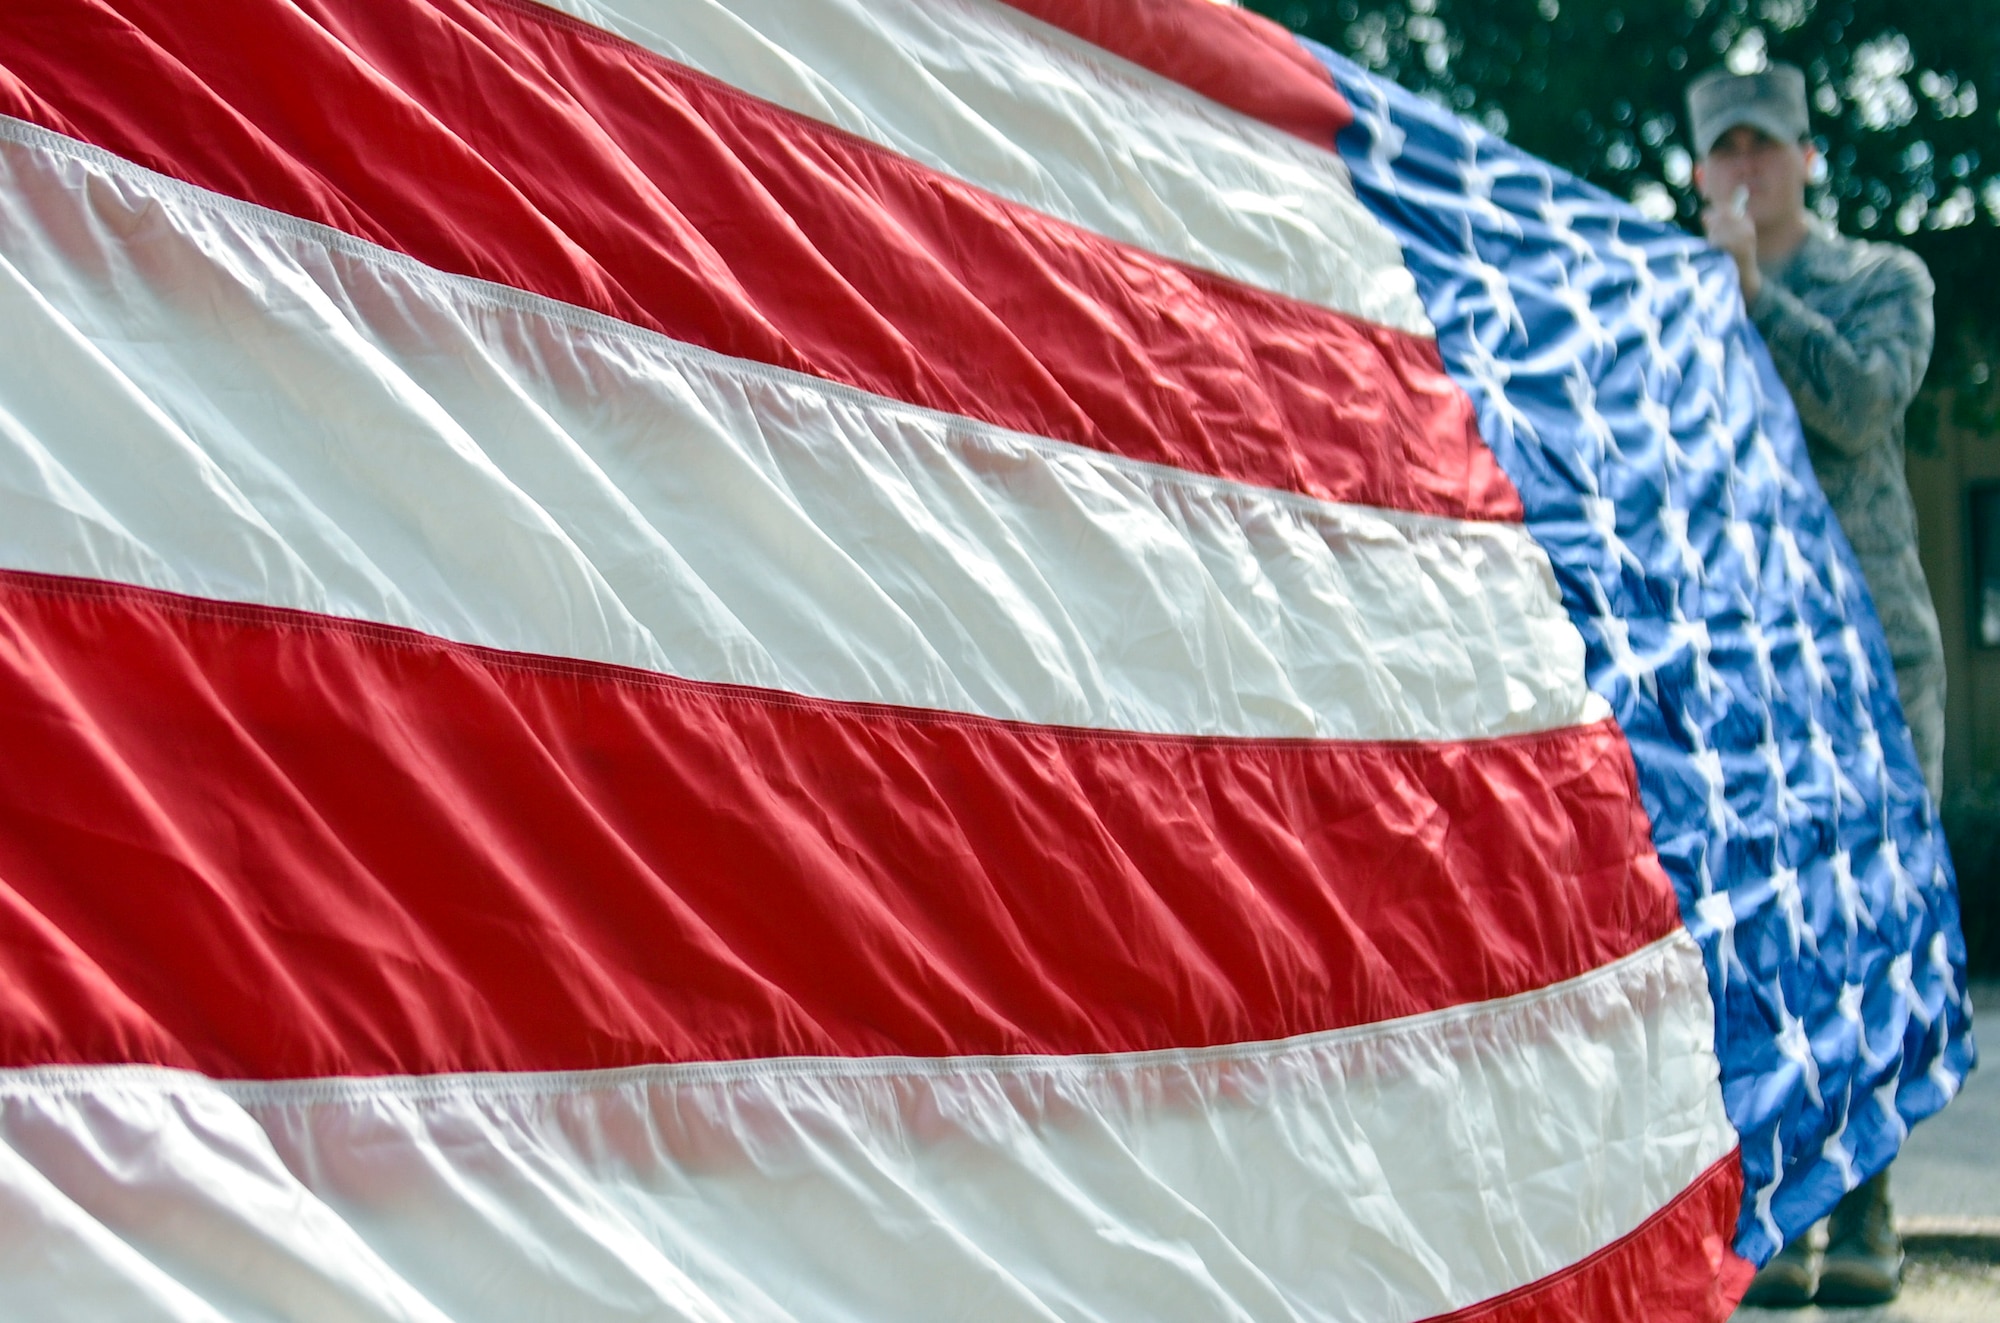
[[1457, 1155], [209, 398], [981, 91]]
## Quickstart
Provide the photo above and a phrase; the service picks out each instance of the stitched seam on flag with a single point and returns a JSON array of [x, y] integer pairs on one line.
[[258, 614], [1671, 959], [1696, 1188], [969, 432]]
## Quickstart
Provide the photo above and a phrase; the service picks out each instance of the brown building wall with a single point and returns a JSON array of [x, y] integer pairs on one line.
[[1942, 482]]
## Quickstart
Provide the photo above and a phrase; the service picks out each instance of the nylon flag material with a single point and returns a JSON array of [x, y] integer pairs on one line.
[[902, 659]]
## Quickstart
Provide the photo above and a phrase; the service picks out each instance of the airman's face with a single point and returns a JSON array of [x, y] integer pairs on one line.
[[1771, 173]]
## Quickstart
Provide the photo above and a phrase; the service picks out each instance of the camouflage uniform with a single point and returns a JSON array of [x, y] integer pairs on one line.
[[1850, 328]]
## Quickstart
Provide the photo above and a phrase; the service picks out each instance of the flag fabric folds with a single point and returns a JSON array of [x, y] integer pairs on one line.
[[902, 659]]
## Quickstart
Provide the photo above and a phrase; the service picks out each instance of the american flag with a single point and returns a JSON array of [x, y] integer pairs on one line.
[[904, 659], [1662, 467]]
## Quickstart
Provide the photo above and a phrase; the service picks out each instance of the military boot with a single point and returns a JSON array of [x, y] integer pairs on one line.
[[1788, 1279], [1864, 1255]]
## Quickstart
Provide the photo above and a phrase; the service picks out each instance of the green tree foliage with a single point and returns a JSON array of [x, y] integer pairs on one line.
[[1906, 111]]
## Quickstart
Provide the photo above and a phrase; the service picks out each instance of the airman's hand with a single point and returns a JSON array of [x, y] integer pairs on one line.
[[1729, 228]]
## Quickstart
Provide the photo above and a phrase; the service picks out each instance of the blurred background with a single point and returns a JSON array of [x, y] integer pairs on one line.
[[1906, 112]]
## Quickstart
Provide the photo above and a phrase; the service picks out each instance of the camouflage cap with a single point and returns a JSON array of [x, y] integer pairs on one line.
[[1771, 101]]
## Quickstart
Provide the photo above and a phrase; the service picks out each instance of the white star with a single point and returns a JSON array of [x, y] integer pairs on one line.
[[1761, 450], [1850, 1010], [1641, 311], [1561, 222], [1704, 882], [1901, 892], [1714, 357], [1835, 1152], [1688, 277], [1636, 259], [1648, 324], [1624, 658], [1885, 1098], [1847, 895], [1660, 423], [1386, 138], [1765, 1192], [1616, 632], [1905, 989], [1939, 959], [1594, 430], [1810, 659], [1499, 292], [1597, 337], [1861, 676], [1714, 296], [1715, 918], [1823, 751], [1491, 376], [1767, 675], [1942, 1076], [1602, 515], [1722, 818], [1724, 441], [1742, 535], [1869, 750], [1476, 182], [1796, 1048], [1836, 582], [1798, 570], [1774, 763], [1792, 905], [1693, 635]]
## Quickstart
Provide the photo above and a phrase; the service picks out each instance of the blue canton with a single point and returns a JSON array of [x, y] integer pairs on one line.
[[1663, 469]]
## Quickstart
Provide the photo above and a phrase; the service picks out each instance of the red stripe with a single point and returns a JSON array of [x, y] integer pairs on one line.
[[1678, 1267], [1230, 55], [262, 843], [504, 142]]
